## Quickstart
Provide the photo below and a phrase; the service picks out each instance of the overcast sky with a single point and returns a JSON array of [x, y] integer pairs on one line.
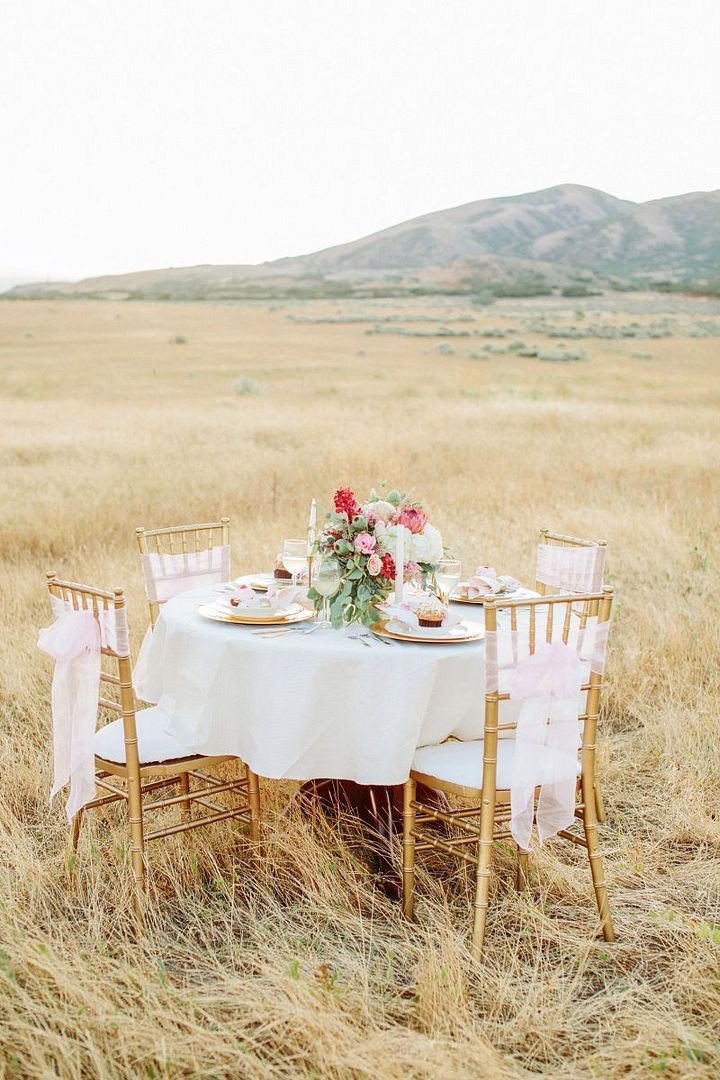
[[145, 133]]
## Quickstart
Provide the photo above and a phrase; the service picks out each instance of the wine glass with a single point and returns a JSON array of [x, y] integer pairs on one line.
[[294, 557], [327, 582], [447, 576]]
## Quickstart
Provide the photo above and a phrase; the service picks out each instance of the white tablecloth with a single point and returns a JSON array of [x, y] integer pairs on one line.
[[304, 706]]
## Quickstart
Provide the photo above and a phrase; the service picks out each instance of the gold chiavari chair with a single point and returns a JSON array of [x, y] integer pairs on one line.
[[588, 574], [133, 751], [592, 570], [480, 772], [180, 556]]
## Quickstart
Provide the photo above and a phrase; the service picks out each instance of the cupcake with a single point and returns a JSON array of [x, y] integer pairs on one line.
[[431, 613], [280, 572]]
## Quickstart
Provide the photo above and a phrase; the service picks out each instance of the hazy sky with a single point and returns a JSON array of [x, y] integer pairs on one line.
[[149, 133]]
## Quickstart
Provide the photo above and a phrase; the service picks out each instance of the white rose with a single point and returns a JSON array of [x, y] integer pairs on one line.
[[380, 510], [427, 546]]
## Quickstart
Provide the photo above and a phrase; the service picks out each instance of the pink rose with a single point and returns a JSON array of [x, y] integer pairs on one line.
[[412, 571], [374, 565], [413, 518], [365, 543]]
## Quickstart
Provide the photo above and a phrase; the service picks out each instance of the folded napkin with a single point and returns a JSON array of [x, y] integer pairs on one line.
[[283, 596], [487, 582], [406, 612], [244, 597]]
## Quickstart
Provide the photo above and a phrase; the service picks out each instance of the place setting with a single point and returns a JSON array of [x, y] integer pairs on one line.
[[346, 576]]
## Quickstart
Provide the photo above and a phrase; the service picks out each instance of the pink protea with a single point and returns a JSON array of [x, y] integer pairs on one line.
[[413, 518]]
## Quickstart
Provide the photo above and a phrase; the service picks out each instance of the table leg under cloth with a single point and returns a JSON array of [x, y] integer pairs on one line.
[[379, 808]]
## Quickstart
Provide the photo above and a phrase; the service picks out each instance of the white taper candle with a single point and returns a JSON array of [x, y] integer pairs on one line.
[[399, 564], [311, 525]]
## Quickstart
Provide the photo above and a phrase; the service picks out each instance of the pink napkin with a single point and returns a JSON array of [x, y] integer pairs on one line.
[[486, 582], [245, 597]]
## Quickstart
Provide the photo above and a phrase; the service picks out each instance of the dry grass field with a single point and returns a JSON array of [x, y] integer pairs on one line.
[[292, 964]]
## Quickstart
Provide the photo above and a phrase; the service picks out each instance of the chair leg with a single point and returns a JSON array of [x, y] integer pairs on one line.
[[137, 848], [596, 863], [408, 850], [482, 886], [185, 807], [76, 826], [254, 801], [599, 804], [521, 872]]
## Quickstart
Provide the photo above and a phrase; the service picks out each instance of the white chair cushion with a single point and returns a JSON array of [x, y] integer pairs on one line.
[[462, 762], [153, 743]]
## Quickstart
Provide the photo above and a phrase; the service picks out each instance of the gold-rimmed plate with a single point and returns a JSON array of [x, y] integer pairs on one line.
[[295, 614], [514, 594], [425, 635], [262, 582]]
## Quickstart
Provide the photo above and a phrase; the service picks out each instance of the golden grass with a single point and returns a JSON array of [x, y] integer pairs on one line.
[[293, 965]]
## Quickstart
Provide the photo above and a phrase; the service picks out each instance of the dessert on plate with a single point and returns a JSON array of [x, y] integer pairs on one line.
[[430, 612], [280, 572]]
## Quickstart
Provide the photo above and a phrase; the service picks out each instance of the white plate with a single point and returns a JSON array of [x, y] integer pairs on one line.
[[463, 631], [258, 614]]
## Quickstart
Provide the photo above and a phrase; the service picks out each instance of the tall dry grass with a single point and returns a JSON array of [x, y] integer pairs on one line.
[[292, 964]]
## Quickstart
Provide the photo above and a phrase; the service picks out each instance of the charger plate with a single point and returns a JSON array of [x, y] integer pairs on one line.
[[262, 582], [296, 613], [425, 635], [509, 594]]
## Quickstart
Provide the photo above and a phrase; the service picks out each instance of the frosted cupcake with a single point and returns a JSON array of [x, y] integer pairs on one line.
[[430, 612]]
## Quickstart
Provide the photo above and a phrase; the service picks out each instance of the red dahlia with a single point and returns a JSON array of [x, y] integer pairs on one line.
[[388, 566], [346, 501]]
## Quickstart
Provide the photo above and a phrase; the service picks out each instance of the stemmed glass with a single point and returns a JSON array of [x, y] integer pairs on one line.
[[294, 557], [447, 576], [327, 582]]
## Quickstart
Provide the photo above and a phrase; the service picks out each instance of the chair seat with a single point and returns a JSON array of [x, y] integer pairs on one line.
[[154, 744], [461, 763]]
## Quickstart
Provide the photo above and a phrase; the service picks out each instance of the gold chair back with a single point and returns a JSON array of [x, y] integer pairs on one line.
[[594, 564], [178, 540]]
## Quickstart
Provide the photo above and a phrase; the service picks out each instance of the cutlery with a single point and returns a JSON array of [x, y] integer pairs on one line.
[[361, 639], [384, 640], [285, 630]]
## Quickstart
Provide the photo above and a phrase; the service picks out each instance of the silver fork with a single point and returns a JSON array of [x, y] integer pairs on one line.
[[284, 630], [361, 638]]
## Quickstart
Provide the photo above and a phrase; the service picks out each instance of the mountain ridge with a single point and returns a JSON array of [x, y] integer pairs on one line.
[[558, 235]]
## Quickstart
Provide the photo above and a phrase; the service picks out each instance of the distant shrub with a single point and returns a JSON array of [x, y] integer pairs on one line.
[[579, 290], [178, 340], [561, 355], [522, 289], [246, 385]]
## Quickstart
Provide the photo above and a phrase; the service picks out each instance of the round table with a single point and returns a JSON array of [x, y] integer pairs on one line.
[[320, 707]]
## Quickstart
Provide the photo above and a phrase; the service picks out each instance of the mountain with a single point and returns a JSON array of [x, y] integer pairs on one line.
[[547, 238]]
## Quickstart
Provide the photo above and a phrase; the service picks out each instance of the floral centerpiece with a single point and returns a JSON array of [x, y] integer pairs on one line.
[[364, 540]]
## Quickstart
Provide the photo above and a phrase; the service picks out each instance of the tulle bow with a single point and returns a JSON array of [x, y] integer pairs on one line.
[[547, 740], [74, 641]]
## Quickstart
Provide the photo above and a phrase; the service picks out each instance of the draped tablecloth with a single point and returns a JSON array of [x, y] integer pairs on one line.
[[300, 706]]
